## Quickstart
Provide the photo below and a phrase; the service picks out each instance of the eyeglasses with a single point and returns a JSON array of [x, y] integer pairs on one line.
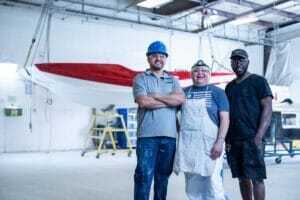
[[157, 55], [203, 70], [238, 61]]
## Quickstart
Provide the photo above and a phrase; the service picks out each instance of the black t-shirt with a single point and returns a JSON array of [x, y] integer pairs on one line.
[[245, 109]]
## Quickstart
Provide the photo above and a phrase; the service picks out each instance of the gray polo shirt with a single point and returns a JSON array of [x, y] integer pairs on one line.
[[155, 122]]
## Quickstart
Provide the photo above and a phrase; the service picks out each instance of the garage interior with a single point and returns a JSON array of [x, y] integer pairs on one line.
[[46, 120]]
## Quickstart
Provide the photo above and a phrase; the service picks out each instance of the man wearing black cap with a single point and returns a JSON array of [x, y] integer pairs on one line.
[[250, 100], [203, 126]]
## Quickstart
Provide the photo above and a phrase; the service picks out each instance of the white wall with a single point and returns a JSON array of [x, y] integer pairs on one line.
[[63, 125]]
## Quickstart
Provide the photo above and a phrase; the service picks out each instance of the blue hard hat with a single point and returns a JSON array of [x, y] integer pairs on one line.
[[157, 47]]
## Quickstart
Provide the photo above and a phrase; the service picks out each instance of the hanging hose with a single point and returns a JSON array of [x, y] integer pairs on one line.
[[47, 44], [37, 34]]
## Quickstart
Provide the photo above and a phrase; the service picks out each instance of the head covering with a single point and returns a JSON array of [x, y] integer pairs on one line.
[[198, 64], [157, 47], [239, 53]]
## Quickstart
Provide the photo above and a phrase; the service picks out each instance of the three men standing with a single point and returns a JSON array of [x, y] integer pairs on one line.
[[158, 94]]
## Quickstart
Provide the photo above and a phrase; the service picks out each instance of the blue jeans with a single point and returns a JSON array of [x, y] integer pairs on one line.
[[155, 157]]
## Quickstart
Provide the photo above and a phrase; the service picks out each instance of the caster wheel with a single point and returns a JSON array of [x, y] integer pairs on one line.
[[278, 160], [82, 154], [113, 154], [97, 156], [129, 154]]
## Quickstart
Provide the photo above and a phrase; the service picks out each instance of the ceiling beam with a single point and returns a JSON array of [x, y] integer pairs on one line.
[[95, 15], [136, 12], [256, 6], [275, 3], [198, 9], [177, 6], [246, 42], [220, 13], [230, 15], [22, 2]]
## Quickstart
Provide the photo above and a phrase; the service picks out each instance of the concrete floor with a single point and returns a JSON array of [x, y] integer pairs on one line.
[[68, 176]]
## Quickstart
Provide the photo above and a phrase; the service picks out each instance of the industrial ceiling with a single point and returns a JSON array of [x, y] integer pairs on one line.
[[214, 17]]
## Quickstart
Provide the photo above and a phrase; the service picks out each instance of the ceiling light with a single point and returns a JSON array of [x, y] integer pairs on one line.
[[153, 3], [244, 20]]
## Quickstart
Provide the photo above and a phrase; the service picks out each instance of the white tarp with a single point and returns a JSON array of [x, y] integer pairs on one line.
[[279, 65]]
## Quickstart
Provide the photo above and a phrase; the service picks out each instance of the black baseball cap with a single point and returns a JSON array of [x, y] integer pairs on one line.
[[239, 53]]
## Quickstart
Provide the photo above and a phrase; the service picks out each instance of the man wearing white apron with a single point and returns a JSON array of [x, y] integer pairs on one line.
[[203, 126]]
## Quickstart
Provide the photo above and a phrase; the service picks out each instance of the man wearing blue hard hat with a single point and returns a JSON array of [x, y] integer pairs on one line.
[[157, 47], [157, 94]]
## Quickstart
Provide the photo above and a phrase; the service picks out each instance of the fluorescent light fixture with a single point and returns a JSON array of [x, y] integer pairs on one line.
[[153, 3], [244, 20]]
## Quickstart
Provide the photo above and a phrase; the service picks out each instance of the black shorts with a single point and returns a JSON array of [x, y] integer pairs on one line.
[[246, 160]]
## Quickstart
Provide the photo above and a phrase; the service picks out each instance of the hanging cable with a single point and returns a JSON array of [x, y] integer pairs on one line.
[[36, 37], [212, 54], [35, 34], [82, 6], [47, 49], [49, 100]]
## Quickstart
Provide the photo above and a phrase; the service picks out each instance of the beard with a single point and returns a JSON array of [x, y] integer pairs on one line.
[[241, 71], [157, 66]]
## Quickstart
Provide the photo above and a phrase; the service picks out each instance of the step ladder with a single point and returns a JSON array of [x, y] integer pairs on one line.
[[107, 129]]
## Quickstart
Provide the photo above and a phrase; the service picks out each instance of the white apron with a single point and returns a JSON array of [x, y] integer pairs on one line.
[[197, 136]]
